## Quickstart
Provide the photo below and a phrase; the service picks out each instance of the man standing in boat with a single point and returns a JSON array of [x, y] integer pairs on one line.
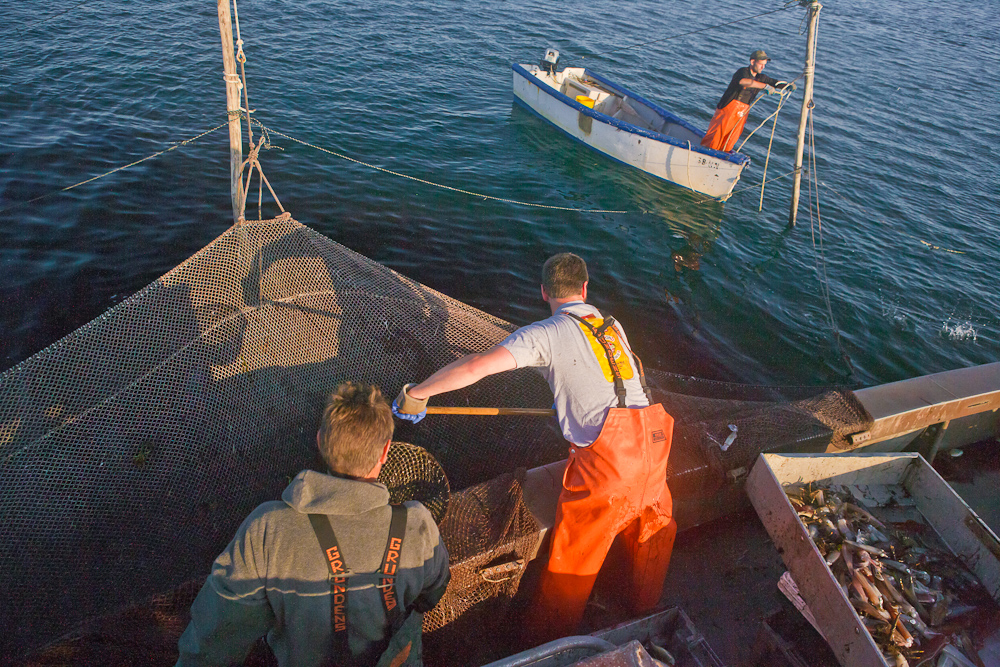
[[731, 111], [619, 441], [331, 573]]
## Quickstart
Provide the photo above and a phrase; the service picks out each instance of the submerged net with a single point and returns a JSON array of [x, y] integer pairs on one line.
[[131, 450]]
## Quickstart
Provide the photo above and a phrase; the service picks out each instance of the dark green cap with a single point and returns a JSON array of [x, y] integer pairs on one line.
[[759, 55]]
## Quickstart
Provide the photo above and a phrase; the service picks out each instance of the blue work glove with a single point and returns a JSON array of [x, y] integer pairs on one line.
[[408, 408]]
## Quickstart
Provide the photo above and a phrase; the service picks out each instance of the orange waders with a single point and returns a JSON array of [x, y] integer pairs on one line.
[[726, 126], [616, 485]]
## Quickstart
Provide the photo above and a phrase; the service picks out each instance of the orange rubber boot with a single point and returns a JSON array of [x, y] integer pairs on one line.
[[649, 561]]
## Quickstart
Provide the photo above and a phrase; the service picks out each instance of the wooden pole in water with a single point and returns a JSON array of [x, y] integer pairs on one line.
[[233, 107], [807, 105]]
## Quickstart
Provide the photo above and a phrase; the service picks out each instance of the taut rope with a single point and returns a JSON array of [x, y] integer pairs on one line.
[[432, 183], [253, 157], [116, 169], [785, 93]]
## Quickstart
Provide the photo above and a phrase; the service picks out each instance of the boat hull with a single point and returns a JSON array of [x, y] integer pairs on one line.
[[701, 170]]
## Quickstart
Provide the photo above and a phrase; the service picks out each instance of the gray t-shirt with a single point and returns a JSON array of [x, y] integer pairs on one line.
[[576, 367]]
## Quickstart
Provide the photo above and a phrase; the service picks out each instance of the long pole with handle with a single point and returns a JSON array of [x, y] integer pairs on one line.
[[233, 107], [526, 412], [807, 105]]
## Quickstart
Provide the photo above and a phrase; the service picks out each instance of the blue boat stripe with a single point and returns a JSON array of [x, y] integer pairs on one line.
[[735, 158]]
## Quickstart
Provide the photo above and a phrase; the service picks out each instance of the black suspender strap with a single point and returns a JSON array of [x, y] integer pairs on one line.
[[338, 575], [338, 581], [390, 565], [598, 333], [642, 379]]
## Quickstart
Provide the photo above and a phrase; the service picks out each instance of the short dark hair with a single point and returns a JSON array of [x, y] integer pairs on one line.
[[564, 275], [356, 424]]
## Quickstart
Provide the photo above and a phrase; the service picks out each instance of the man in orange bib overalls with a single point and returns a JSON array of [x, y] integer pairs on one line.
[[615, 478], [731, 111]]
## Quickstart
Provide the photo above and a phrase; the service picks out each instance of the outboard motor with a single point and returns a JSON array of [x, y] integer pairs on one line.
[[548, 63]]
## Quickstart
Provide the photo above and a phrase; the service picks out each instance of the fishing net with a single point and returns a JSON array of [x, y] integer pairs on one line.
[[490, 536], [411, 473], [131, 450]]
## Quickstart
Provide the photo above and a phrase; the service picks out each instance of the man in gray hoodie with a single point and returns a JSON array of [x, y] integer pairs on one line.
[[331, 573]]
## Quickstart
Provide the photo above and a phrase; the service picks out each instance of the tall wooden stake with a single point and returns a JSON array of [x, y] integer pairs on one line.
[[807, 104], [232, 105]]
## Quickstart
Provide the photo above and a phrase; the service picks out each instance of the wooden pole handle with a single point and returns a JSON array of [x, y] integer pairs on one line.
[[526, 412]]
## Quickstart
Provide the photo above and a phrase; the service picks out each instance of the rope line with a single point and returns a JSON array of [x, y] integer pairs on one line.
[[116, 169], [784, 94], [880, 218], [265, 144], [483, 196], [253, 157], [489, 197], [432, 183], [31, 26], [763, 178], [770, 142], [821, 257], [787, 5], [253, 162]]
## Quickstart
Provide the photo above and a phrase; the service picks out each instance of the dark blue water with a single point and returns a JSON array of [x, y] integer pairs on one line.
[[905, 131]]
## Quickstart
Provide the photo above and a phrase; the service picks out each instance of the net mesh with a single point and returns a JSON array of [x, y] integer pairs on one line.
[[490, 536], [411, 473], [131, 450]]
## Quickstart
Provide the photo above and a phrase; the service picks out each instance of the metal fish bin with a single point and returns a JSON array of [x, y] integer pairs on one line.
[[903, 485]]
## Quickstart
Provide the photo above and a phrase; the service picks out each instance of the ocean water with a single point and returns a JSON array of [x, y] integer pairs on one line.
[[893, 276]]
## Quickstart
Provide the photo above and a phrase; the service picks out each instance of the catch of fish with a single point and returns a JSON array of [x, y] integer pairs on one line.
[[918, 601]]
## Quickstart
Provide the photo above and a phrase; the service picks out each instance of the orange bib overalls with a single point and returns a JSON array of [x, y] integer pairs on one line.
[[726, 126], [616, 485]]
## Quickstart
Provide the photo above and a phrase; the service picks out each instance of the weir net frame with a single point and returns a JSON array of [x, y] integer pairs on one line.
[[132, 448]]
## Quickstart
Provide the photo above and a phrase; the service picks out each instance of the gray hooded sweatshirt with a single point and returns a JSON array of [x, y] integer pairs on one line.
[[273, 579]]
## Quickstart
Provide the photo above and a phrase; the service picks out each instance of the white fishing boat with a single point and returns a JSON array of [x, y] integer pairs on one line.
[[626, 127]]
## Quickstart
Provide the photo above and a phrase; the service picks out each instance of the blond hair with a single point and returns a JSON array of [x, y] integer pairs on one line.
[[356, 424]]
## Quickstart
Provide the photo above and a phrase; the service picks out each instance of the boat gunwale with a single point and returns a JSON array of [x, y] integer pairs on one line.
[[738, 159]]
